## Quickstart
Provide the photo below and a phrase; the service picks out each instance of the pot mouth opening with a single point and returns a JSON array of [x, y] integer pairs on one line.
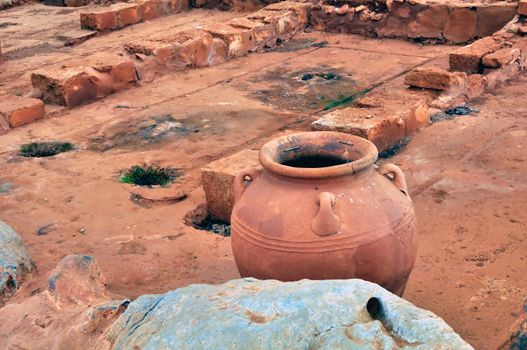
[[318, 154]]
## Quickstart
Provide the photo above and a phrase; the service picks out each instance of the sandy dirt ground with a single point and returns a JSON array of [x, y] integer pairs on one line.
[[467, 176]]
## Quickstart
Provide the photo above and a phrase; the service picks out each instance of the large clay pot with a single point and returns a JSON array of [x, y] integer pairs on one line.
[[319, 209]]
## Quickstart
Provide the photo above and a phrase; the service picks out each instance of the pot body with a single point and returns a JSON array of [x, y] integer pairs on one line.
[[359, 225]]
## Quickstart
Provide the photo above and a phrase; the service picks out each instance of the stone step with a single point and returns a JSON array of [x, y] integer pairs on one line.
[[76, 82], [120, 15], [16, 111]]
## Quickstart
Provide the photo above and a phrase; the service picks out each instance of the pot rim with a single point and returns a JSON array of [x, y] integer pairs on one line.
[[270, 153]]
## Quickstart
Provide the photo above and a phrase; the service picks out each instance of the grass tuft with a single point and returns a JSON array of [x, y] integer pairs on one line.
[[151, 175], [44, 149]]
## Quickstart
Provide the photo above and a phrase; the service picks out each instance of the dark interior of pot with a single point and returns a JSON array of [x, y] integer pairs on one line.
[[317, 154], [314, 161]]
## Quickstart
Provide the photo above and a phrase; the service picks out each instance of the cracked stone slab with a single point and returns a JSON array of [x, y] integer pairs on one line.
[[252, 314]]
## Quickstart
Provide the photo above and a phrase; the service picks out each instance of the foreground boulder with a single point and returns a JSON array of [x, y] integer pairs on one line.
[[253, 314], [15, 263]]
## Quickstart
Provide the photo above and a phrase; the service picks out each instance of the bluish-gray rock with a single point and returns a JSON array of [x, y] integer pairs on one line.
[[252, 314], [14, 259]]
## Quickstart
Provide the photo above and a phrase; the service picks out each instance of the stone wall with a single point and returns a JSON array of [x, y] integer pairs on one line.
[[416, 19]]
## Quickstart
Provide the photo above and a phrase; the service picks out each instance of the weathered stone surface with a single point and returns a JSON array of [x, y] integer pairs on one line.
[[181, 49], [99, 19], [431, 78], [417, 118], [239, 40], [150, 9], [499, 76], [264, 34], [522, 8], [218, 181], [17, 111], [375, 124], [493, 17], [468, 58], [112, 17], [501, 57], [429, 23], [461, 25], [286, 22], [77, 279], [252, 314], [522, 30], [15, 263], [76, 82]]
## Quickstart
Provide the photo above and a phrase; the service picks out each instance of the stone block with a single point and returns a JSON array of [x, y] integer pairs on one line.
[[374, 124], [239, 41], [461, 25], [181, 49], [431, 78], [468, 58], [179, 5], [102, 19], [393, 28], [501, 57], [301, 9], [17, 111], [499, 76], [429, 23], [493, 17], [127, 14], [218, 181], [66, 87], [522, 8], [264, 34], [475, 85], [286, 22], [150, 9], [77, 82], [417, 117]]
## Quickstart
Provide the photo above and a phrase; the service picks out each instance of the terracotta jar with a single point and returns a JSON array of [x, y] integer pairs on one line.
[[319, 209]]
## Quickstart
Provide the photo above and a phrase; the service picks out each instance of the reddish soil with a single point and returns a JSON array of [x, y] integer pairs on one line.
[[467, 176]]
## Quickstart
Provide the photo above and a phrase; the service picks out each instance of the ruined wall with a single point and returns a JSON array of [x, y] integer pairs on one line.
[[432, 21]]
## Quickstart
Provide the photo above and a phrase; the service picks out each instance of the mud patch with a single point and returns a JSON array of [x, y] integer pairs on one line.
[[140, 133], [298, 44], [29, 51], [201, 220], [151, 175], [132, 248], [310, 89], [395, 148], [44, 149]]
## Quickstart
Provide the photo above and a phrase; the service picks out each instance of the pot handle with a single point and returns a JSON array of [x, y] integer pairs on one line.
[[326, 222], [244, 179], [395, 175]]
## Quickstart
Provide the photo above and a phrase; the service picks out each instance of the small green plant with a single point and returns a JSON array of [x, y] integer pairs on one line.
[[151, 175], [44, 149], [346, 100]]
